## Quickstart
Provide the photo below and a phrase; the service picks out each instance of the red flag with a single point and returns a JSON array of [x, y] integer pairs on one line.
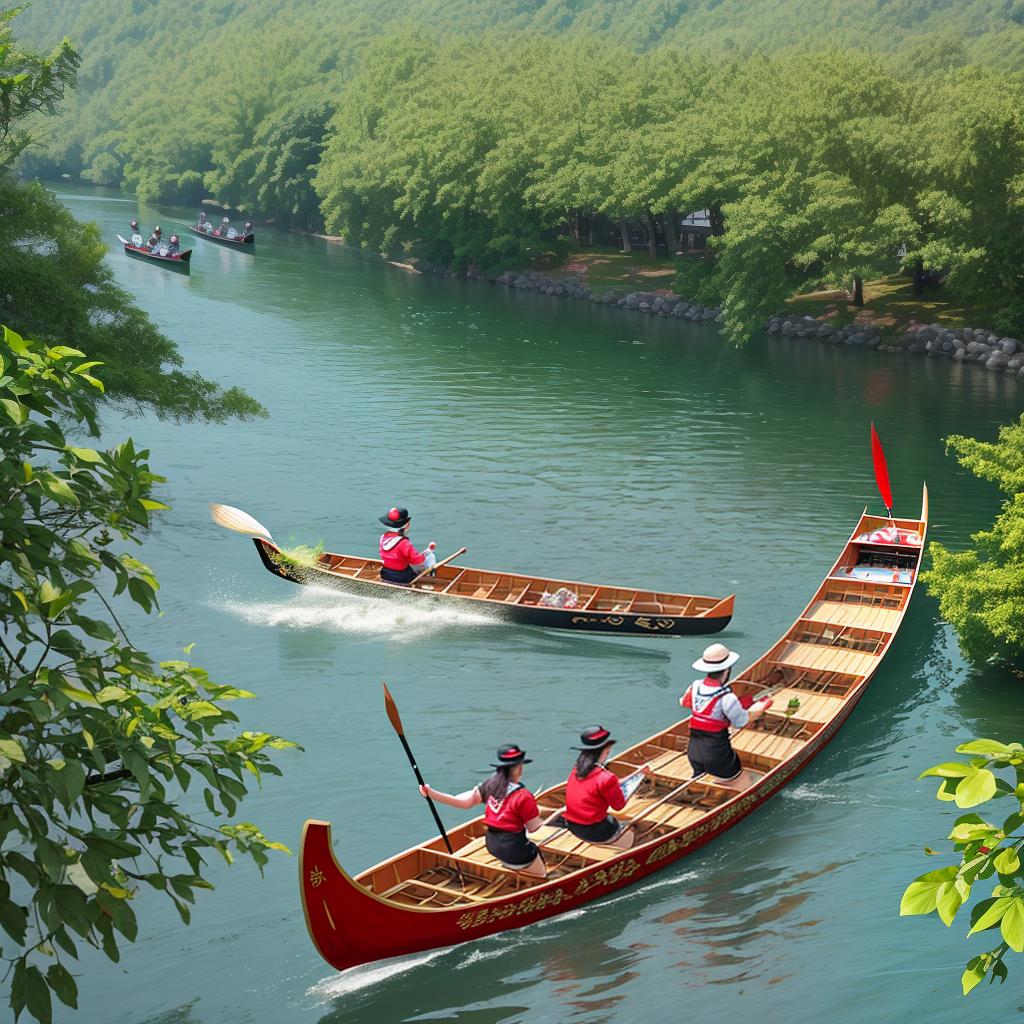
[[881, 470]]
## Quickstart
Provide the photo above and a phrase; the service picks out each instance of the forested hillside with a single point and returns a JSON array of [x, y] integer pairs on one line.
[[428, 128]]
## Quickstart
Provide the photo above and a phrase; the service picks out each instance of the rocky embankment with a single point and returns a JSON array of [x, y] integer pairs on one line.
[[936, 341], [651, 303]]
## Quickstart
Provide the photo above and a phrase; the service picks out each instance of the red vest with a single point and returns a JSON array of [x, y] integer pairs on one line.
[[587, 800], [513, 812], [397, 552], [703, 718]]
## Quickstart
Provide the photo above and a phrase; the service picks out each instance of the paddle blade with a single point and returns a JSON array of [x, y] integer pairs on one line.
[[392, 709], [235, 519], [881, 470]]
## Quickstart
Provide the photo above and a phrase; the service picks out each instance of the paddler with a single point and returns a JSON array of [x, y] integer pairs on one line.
[[715, 709], [136, 236], [510, 812], [203, 224], [154, 239], [173, 245], [223, 229], [400, 561], [593, 790]]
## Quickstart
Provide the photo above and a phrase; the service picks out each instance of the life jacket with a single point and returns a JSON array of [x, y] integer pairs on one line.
[[392, 553], [703, 716], [503, 814]]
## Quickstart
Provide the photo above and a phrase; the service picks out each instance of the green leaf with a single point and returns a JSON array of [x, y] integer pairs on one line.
[[59, 490], [110, 694], [12, 750], [37, 994], [974, 973], [990, 748], [86, 454], [992, 915], [1007, 861], [947, 902], [1011, 925], [976, 788], [60, 980], [152, 506], [948, 770], [921, 895], [15, 412]]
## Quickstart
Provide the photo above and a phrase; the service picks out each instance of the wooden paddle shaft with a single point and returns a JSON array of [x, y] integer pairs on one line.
[[437, 565], [419, 779]]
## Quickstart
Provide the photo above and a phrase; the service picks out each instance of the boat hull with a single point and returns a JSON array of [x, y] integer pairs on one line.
[[580, 620], [181, 264], [350, 926]]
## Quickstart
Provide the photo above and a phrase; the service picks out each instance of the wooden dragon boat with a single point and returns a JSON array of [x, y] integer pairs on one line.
[[245, 243], [816, 672], [509, 597], [177, 261]]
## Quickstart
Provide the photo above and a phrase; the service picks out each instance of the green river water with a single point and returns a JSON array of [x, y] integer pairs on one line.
[[562, 439]]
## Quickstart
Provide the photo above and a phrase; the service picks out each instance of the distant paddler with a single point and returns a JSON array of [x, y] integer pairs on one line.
[[400, 561], [716, 708], [510, 812], [136, 235], [593, 790]]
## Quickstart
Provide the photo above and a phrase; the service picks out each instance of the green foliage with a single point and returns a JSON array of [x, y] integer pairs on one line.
[[987, 851], [29, 84], [979, 590], [97, 743]]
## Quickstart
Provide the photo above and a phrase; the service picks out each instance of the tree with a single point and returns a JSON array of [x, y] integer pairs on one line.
[[986, 851], [98, 745], [29, 84], [979, 590]]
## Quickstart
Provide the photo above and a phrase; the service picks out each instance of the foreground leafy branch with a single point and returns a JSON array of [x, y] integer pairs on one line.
[[98, 744], [986, 851]]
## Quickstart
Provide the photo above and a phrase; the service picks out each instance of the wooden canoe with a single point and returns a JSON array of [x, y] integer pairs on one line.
[[516, 598], [246, 243], [425, 898], [178, 261]]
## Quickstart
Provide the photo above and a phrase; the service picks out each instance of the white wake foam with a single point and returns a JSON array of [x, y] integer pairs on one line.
[[356, 978], [320, 608]]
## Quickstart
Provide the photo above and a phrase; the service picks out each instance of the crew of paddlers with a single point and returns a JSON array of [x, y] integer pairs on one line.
[[155, 243], [592, 790], [223, 230]]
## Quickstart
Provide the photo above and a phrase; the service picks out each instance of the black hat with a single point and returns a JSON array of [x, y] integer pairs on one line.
[[510, 755], [595, 737], [396, 518]]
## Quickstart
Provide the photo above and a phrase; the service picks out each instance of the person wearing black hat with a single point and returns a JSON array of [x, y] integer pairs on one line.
[[510, 812], [399, 560], [593, 790], [136, 235], [154, 239]]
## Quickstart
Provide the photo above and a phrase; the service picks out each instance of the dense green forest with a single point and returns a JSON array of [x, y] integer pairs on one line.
[[893, 144]]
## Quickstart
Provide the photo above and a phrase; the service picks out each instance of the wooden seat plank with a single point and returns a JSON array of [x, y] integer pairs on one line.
[[823, 658], [648, 809], [814, 707], [849, 613], [765, 744]]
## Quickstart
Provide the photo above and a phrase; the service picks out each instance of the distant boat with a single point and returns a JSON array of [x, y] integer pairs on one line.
[[246, 243], [172, 261]]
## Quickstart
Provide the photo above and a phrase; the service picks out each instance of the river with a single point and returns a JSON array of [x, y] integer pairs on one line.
[[562, 439]]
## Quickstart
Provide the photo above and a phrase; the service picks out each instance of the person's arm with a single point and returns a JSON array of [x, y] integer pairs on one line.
[[739, 716], [464, 800], [611, 788], [686, 701], [529, 812], [416, 558]]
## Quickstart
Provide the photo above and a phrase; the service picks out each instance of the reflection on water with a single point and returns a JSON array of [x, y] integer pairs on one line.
[[566, 440]]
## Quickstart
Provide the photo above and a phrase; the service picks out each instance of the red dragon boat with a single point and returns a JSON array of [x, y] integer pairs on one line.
[[173, 261], [817, 672]]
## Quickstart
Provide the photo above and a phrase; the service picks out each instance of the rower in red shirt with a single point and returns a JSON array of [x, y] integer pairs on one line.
[[593, 789], [511, 812], [400, 561]]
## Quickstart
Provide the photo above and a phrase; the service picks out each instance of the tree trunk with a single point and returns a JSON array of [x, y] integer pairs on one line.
[[671, 238], [652, 235], [716, 219], [858, 291], [572, 218], [918, 278], [590, 217], [624, 228]]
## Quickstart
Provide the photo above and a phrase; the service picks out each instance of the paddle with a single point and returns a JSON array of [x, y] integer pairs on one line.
[[232, 518], [435, 566], [396, 722], [881, 471]]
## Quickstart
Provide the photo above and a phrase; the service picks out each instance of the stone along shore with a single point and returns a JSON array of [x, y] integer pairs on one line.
[[961, 344]]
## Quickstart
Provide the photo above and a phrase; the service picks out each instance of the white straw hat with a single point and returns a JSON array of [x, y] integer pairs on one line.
[[716, 658]]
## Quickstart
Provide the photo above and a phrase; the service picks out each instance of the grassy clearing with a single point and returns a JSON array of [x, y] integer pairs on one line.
[[890, 303], [609, 268]]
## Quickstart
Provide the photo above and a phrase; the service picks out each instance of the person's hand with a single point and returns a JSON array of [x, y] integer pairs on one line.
[[647, 770], [424, 790], [765, 703], [681, 699]]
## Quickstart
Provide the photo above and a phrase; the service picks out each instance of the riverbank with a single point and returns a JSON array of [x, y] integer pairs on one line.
[[961, 344]]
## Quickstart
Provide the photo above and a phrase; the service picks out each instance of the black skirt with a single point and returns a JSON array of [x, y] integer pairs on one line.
[[397, 575], [712, 752], [602, 831], [513, 849]]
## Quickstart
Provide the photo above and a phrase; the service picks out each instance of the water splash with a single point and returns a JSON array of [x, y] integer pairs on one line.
[[323, 609], [357, 978]]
